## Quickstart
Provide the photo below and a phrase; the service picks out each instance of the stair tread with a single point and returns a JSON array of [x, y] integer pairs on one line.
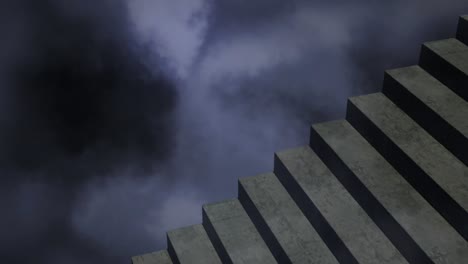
[[158, 257], [283, 217], [237, 233], [354, 227], [423, 223], [192, 245], [452, 50], [447, 60], [414, 141], [432, 105], [435, 95]]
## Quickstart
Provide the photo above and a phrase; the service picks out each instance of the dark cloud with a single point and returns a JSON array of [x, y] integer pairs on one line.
[[81, 99], [86, 108], [81, 88], [344, 48], [238, 15], [393, 35]]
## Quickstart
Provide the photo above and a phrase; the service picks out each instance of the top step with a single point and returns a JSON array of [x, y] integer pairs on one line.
[[462, 32]]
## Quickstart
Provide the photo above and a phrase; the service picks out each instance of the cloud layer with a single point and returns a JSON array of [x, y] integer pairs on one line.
[[121, 118]]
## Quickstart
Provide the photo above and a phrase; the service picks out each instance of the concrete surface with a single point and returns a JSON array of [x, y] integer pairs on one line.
[[234, 235], [159, 257], [322, 190], [424, 225], [432, 105], [447, 60], [274, 212], [191, 245]]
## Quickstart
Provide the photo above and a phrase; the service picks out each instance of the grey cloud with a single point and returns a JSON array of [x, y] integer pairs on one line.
[[82, 99], [250, 77], [343, 48], [265, 72]]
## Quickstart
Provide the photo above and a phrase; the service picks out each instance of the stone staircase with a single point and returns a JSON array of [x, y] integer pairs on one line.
[[387, 185]]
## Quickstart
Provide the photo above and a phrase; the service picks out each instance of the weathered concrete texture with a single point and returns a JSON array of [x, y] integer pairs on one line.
[[233, 234], [319, 193], [440, 177], [462, 30], [191, 245], [432, 105], [159, 257], [279, 219], [447, 60], [413, 213]]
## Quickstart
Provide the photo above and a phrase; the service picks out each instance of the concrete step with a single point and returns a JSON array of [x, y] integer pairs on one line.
[[462, 30], [432, 105], [233, 234], [159, 257], [430, 168], [280, 222], [191, 245], [447, 60], [344, 226], [394, 205]]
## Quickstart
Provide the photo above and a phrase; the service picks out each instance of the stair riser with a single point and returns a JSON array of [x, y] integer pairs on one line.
[[390, 227], [424, 184], [262, 227], [323, 228], [215, 240], [462, 32], [171, 251], [444, 72], [440, 129]]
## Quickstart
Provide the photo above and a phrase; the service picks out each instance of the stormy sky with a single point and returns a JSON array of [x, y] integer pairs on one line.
[[120, 118]]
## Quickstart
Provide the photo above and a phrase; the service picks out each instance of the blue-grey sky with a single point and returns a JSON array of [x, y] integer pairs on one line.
[[119, 119]]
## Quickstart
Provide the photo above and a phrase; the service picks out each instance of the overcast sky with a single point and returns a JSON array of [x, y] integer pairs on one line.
[[119, 119]]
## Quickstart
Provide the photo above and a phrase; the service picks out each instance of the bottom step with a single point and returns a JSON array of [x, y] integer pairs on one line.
[[191, 245], [159, 257]]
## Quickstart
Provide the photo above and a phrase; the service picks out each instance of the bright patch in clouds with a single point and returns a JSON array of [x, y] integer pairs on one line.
[[176, 27]]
